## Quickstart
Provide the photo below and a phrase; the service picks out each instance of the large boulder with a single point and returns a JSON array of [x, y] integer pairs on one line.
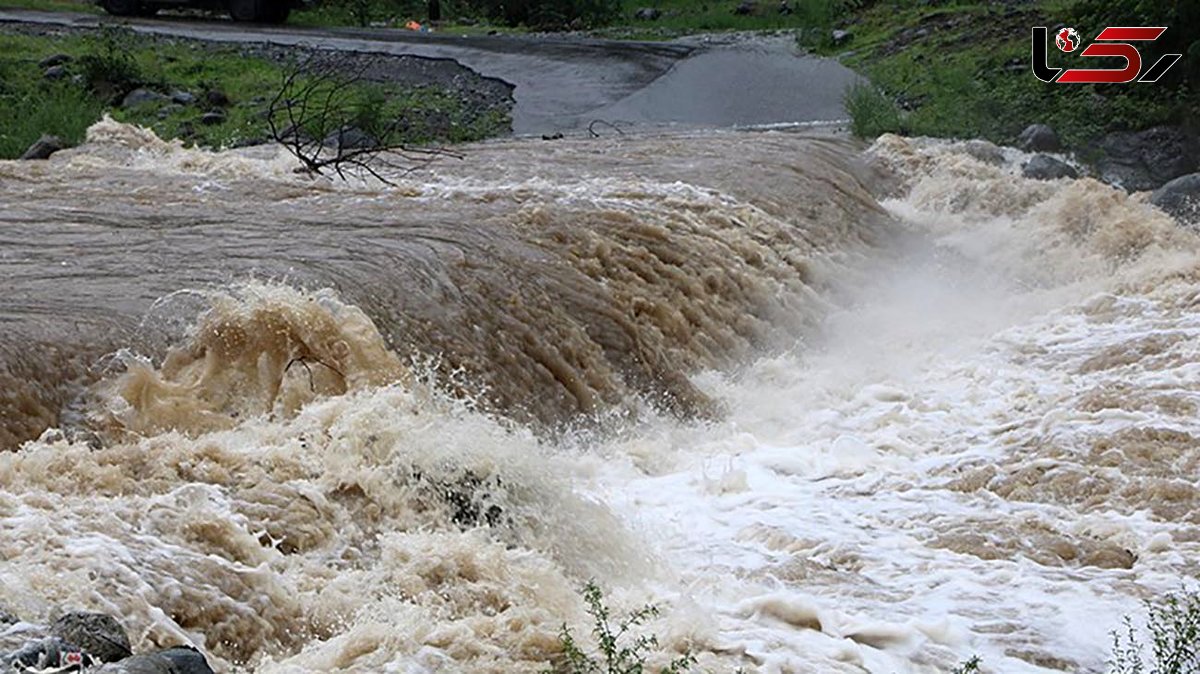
[[1045, 167], [1039, 138], [97, 633], [43, 147], [178, 660], [1180, 198], [1146, 160]]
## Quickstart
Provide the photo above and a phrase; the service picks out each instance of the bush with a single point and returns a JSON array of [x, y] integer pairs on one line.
[[614, 657], [109, 67], [871, 112], [969, 666], [1174, 629]]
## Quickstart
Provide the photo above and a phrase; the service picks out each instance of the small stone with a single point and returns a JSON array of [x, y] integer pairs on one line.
[[96, 633], [141, 97], [7, 617], [647, 14], [840, 37], [1181, 199], [168, 110], [55, 72], [1039, 138], [212, 118], [216, 98], [1045, 167], [183, 98], [784, 7], [43, 147], [746, 8], [54, 60]]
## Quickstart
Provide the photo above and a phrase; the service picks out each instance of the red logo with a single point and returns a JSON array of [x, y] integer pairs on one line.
[[1112, 41], [1067, 40]]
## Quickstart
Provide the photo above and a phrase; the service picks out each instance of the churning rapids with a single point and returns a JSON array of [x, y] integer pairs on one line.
[[307, 425]]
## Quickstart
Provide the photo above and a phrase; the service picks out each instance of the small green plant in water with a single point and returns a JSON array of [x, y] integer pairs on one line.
[[616, 655], [969, 666], [872, 113], [1173, 627]]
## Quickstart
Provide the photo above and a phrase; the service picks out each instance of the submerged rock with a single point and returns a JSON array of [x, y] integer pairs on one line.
[[984, 151], [96, 633], [1045, 167], [178, 660], [1181, 199]]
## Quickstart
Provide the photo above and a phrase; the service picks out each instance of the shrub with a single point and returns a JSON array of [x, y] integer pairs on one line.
[[871, 112], [109, 67], [615, 656], [969, 666], [1173, 625]]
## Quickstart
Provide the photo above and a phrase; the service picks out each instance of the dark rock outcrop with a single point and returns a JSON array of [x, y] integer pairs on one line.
[[96, 633], [1146, 160], [1039, 138], [1045, 167], [43, 147], [647, 14], [1181, 199]]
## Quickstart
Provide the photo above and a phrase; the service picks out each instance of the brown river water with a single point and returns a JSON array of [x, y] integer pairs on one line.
[[830, 409]]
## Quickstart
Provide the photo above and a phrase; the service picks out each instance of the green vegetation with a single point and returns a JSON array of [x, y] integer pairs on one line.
[[970, 666], [232, 89], [961, 69], [615, 654], [1173, 624], [52, 5]]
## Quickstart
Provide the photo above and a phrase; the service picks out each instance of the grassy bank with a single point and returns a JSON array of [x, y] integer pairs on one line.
[[961, 69], [207, 95]]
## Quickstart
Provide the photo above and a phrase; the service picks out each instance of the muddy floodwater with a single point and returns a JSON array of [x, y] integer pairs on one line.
[[830, 408]]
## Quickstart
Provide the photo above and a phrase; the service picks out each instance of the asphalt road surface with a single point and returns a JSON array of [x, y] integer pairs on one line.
[[566, 83]]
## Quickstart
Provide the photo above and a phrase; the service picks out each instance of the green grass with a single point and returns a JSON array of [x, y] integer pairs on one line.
[[52, 5], [67, 107], [962, 70]]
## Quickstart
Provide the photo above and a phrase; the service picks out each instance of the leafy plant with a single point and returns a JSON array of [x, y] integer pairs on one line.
[[109, 66], [871, 112], [969, 666], [616, 654], [1173, 625]]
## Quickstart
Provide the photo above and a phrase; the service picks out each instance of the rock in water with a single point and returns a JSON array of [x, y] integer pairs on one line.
[[7, 617], [46, 654], [1039, 138], [1146, 160], [187, 660], [43, 147], [96, 633], [984, 151], [1045, 167], [1180, 198], [351, 138], [178, 660]]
